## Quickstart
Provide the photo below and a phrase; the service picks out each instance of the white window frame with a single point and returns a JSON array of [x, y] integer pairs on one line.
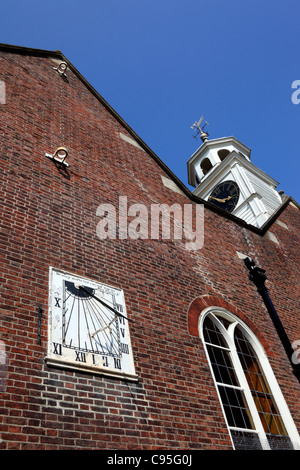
[[265, 365]]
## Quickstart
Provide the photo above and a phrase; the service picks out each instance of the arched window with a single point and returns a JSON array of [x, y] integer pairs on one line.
[[254, 408], [223, 153], [206, 165]]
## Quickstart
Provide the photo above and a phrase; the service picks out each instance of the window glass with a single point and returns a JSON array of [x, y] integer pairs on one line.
[[250, 409], [260, 390]]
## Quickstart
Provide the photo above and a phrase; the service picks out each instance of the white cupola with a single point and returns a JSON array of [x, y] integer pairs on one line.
[[223, 174]]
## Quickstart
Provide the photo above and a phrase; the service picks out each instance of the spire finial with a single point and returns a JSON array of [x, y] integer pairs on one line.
[[200, 129]]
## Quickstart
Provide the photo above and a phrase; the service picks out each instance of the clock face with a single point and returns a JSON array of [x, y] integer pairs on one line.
[[88, 326], [225, 195]]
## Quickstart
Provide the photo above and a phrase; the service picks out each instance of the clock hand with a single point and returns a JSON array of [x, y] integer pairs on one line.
[[106, 305], [216, 199], [220, 200]]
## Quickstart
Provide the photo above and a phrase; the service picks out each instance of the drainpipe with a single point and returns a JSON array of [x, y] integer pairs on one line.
[[258, 277]]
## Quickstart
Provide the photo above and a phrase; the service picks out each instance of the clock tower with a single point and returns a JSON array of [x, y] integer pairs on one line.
[[222, 173]]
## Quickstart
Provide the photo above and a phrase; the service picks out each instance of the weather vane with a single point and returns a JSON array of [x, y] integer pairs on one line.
[[200, 129]]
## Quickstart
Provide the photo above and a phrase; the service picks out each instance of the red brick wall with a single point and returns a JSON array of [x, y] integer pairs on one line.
[[49, 218]]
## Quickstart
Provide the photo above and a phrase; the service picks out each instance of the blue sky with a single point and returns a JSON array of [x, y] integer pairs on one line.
[[161, 64]]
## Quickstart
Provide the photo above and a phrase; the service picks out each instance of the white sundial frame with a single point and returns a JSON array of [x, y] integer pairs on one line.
[[88, 326]]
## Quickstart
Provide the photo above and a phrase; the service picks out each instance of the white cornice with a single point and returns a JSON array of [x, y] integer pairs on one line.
[[220, 170]]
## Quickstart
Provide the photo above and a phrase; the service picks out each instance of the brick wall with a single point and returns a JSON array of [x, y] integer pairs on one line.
[[49, 219]]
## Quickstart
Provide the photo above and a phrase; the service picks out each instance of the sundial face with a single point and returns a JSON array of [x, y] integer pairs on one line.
[[88, 326]]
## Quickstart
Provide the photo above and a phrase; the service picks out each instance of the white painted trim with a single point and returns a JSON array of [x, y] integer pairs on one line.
[[219, 172]]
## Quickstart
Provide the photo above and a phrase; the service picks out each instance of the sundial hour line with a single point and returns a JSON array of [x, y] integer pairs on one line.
[[106, 305]]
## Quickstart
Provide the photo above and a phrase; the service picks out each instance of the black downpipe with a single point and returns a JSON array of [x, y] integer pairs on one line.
[[258, 277]]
